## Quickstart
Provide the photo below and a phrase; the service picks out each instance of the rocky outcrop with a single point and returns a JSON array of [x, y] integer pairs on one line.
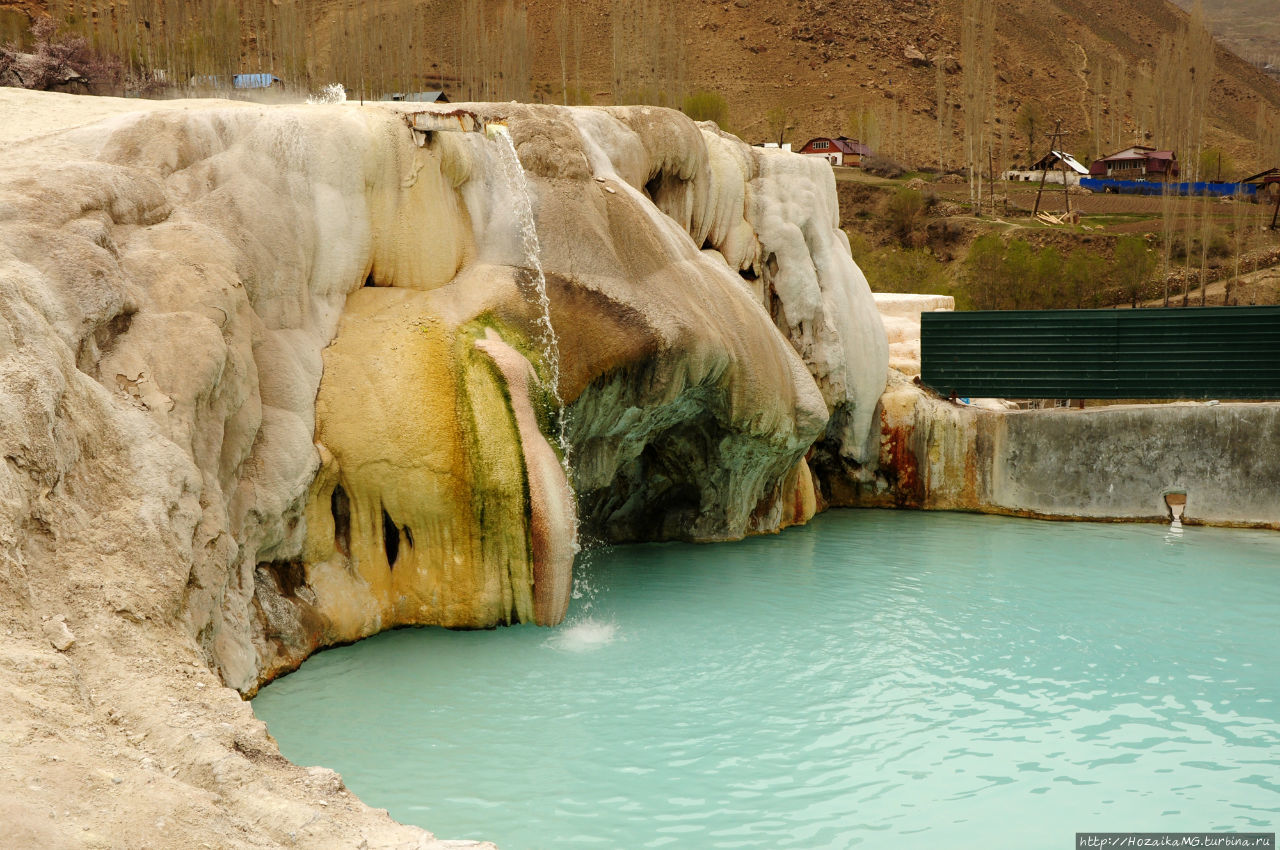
[[651, 463], [276, 378], [167, 284]]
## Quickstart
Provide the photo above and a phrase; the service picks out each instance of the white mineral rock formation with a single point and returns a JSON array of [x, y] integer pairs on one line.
[[270, 379]]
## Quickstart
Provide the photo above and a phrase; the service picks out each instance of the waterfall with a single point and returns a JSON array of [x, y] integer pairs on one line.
[[531, 249], [597, 634]]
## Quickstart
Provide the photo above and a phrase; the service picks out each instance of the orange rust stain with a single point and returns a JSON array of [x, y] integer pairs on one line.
[[797, 503], [969, 496], [900, 465]]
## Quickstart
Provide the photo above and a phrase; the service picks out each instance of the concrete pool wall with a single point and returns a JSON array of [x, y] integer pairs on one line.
[[1100, 463], [1111, 463]]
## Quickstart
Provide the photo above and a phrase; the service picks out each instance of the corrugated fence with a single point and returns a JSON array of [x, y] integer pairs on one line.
[[1166, 353]]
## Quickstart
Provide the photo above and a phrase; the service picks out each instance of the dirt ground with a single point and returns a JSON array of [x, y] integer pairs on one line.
[[950, 228], [1260, 287]]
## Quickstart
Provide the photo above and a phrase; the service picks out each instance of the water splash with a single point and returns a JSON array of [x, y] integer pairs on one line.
[[531, 248], [332, 93], [587, 583], [585, 635]]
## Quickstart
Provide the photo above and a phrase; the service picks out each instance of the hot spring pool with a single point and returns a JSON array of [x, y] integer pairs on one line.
[[877, 678]]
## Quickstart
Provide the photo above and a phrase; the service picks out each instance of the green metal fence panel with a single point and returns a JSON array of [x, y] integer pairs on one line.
[[1186, 353]]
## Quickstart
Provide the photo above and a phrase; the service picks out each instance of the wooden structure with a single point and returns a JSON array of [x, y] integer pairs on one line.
[[1268, 183], [1055, 158], [1055, 138], [1264, 179]]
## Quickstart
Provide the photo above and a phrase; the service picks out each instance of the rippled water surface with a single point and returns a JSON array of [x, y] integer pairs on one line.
[[883, 679]]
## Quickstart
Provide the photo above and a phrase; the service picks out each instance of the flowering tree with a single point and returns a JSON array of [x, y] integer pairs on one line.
[[57, 61]]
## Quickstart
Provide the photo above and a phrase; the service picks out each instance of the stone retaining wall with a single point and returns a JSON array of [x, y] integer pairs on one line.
[[1100, 463]]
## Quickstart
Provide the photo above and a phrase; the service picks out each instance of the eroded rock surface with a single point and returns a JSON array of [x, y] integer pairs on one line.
[[273, 378]]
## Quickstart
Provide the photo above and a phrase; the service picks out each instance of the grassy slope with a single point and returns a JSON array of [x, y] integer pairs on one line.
[[941, 239]]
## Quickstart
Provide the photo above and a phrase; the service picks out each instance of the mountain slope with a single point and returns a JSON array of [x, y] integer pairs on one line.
[[1084, 61], [1251, 28]]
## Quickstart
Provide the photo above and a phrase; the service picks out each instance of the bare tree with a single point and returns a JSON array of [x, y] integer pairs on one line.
[[1098, 132], [561, 27], [977, 37], [1188, 238], [1168, 230], [577, 53], [1126, 91], [776, 122], [470, 39], [648, 52], [864, 125], [1201, 52], [1239, 240], [1206, 234], [942, 111], [513, 36], [1031, 122]]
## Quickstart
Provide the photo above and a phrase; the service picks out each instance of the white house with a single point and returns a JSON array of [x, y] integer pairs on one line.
[[1054, 167]]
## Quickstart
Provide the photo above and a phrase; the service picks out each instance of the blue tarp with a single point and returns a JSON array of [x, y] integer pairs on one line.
[[238, 81], [1141, 187], [254, 81]]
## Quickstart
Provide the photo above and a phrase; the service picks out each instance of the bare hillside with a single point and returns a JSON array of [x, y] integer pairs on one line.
[[1092, 63], [1250, 28]]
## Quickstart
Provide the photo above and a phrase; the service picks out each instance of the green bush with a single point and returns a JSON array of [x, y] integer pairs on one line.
[[984, 272], [860, 246], [896, 270], [1083, 277], [905, 210], [1133, 264], [707, 106], [1017, 276], [1049, 280], [1219, 246]]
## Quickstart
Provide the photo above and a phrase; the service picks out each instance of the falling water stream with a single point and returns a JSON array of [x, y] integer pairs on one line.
[[513, 173], [531, 249]]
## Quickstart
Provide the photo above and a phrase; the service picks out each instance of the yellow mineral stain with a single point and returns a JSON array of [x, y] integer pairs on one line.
[[551, 519], [420, 503], [422, 234]]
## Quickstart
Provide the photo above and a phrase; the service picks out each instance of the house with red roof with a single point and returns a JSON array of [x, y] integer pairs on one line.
[[1136, 163], [837, 151]]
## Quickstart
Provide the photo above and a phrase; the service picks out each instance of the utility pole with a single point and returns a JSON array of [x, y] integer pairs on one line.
[[1055, 143], [1044, 172], [1062, 166]]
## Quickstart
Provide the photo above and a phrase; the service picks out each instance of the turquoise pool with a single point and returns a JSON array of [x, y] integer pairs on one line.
[[878, 679]]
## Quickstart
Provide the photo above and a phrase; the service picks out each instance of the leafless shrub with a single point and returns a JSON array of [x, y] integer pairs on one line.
[[881, 166], [142, 84], [7, 59]]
